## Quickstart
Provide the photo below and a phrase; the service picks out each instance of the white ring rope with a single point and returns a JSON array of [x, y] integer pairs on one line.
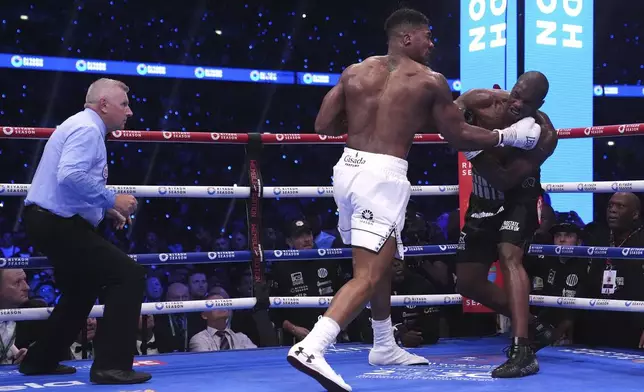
[[323, 302], [269, 192]]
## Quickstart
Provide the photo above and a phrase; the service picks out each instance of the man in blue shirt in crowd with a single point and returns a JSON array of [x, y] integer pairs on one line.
[[66, 202]]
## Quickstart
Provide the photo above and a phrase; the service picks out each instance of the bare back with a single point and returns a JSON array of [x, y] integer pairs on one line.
[[386, 104]]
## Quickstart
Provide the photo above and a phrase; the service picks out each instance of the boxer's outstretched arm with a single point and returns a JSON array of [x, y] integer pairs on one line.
[[504, 177], [450, 122], [332, 117]]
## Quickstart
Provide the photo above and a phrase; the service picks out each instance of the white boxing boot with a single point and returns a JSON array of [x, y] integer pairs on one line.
[[307, 356], [386, 352]]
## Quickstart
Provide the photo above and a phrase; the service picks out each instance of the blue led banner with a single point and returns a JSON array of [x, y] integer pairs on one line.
[[559, 43], [488, 43]]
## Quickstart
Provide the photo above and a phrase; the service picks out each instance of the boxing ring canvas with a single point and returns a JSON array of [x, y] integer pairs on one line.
[[455, 365]]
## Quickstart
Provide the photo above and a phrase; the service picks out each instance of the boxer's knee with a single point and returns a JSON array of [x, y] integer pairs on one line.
[[470, 277]]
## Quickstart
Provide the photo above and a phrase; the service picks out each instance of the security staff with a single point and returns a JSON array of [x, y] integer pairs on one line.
[[559, 277], [66, 202]]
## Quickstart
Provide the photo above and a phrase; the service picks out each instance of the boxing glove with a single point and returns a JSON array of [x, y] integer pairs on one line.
[[523, 134]]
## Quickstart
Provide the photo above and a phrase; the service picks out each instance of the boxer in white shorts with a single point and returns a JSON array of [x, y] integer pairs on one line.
[[372, 192], [381, 103]]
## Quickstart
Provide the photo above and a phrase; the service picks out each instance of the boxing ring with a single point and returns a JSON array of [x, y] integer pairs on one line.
[[455, 364]]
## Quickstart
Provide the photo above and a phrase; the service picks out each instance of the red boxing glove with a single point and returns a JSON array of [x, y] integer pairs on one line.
[[496, 87]]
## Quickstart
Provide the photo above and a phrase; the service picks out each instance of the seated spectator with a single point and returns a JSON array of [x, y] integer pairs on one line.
[[301, 278], [616, 279], [76, 350], [174, 331], [218, 336], [47, 292], [254, 323], [559, 277], [7, 246], [14, 293], [150, 346], [153, 289], [198, 285], [222, 244]]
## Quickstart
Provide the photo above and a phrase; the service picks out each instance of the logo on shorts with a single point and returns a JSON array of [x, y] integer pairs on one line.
[[529, 182], [354, 161], [367, 214], [106, 172], [509, 226]]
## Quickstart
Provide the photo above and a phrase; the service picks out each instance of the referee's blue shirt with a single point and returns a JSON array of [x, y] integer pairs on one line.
[[72, 173]]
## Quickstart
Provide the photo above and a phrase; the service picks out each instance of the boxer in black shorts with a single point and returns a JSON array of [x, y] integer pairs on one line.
[[503, 215]]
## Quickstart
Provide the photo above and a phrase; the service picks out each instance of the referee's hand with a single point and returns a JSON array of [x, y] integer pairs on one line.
[[119, 221], [125, 204]]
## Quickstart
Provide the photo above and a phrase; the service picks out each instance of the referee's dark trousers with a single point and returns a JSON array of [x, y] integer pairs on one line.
[[86, 266]]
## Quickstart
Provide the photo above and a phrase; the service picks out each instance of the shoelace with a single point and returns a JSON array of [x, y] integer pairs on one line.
[[509, 352]]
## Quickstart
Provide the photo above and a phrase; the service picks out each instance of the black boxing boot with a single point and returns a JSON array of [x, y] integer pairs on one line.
[[542, 334], [521, 361]]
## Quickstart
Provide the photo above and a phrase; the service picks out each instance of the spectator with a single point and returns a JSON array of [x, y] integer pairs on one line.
[[150, 347], [559, 277], [173, 331], [7, 246], [77, 348], [222, 244], [153, 289], [47, 292], [254, 323], [198, 285], [616, 279], [239, 241], [218, 336], [14, 293], [302, 278]]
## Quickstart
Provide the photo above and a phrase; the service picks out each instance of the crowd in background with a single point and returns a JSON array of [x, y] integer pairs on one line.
[[273, 35]]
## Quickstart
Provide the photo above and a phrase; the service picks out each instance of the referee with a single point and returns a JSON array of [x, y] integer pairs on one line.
[[66, 202]]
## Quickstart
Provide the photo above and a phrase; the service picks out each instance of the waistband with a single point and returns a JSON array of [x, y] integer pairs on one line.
[[358, 159]]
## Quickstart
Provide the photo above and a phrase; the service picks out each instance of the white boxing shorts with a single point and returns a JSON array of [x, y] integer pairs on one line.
[[372, 193]]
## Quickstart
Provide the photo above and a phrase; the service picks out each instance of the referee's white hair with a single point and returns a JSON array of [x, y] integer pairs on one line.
[[100, 88]]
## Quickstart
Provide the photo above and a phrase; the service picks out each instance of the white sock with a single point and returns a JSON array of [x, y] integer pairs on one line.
[[324, 333], [383, 333]]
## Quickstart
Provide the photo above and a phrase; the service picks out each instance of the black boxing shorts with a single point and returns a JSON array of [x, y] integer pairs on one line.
[[487, 225]]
